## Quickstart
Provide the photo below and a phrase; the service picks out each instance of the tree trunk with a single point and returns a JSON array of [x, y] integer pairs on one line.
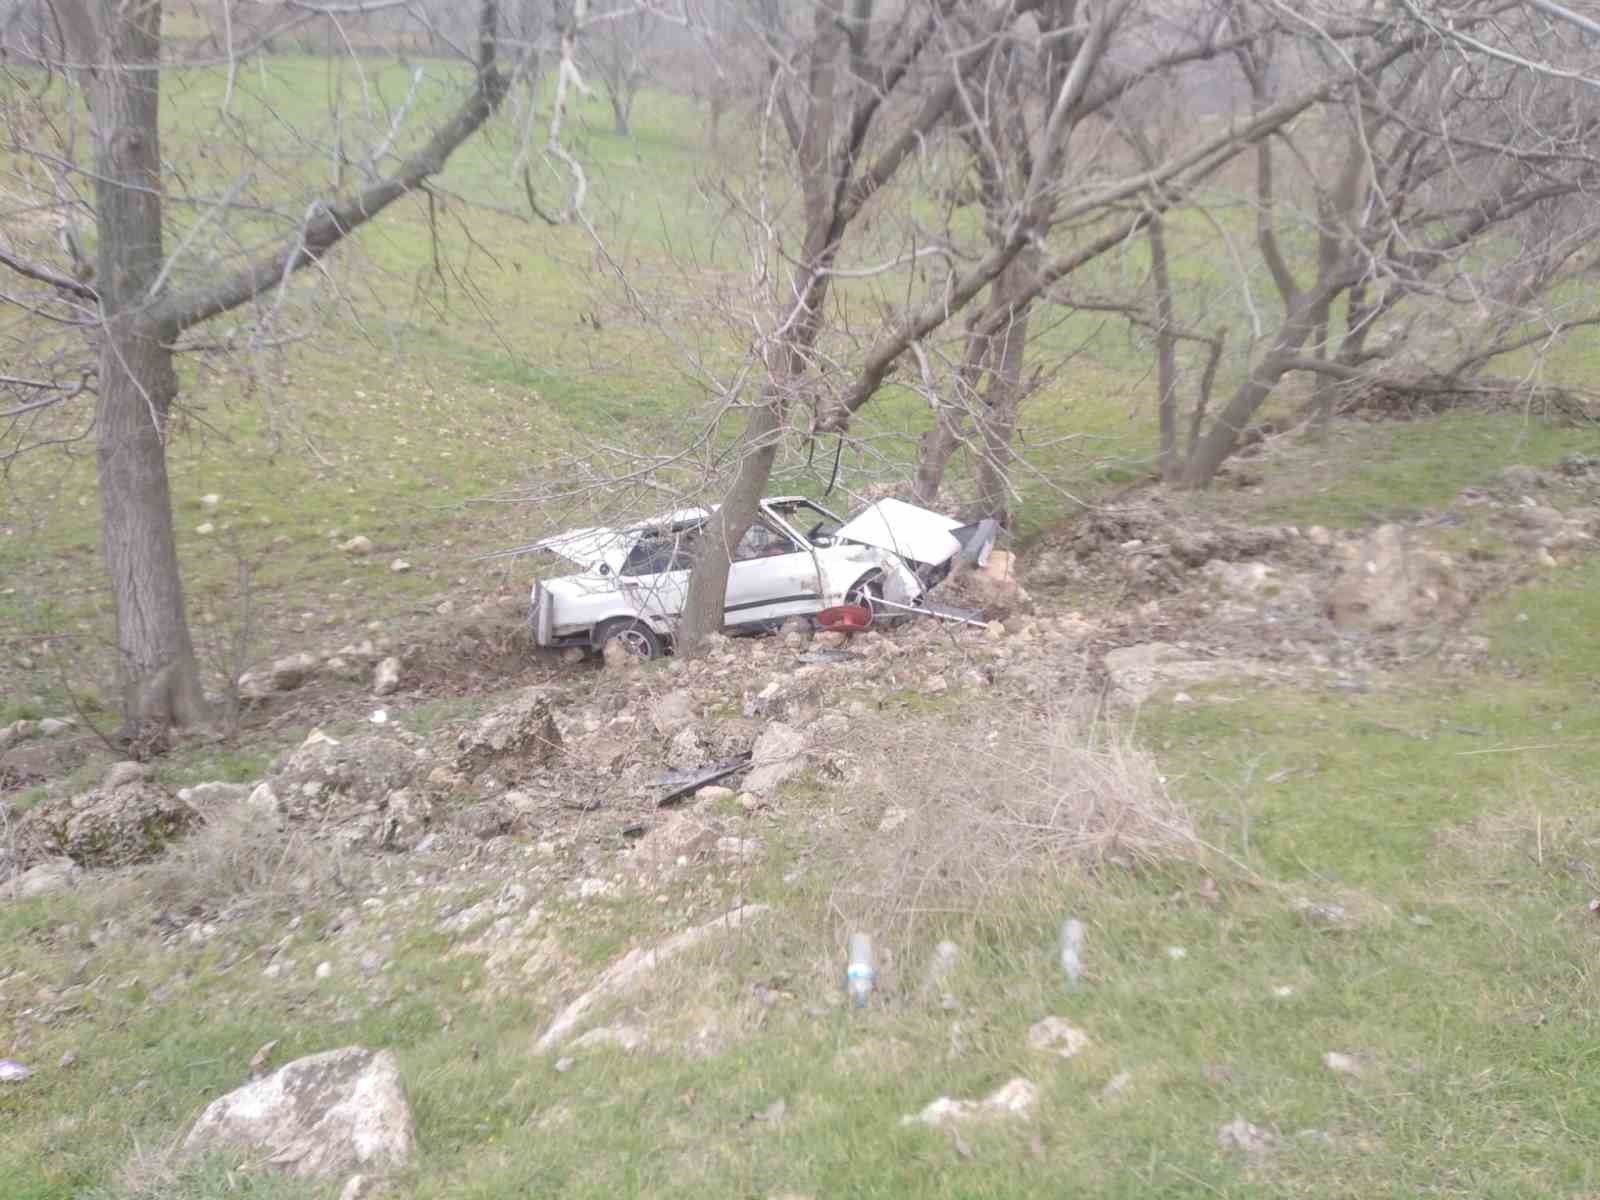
[[1002, 397], [997, 423], [708, 582], [1166, 351], [160, 680], [938, 446]]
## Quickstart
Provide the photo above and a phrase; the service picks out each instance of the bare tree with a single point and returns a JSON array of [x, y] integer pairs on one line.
[[619, 38], [1433, 175], [141, 299]]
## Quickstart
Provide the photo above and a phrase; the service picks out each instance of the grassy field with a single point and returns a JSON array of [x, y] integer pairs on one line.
[[1452, 817]]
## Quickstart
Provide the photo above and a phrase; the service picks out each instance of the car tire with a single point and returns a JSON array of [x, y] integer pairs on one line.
[[638, 638], [866, 592]]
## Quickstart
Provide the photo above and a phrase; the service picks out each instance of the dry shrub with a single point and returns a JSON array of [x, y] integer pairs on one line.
[[240, 861], [973, 812]]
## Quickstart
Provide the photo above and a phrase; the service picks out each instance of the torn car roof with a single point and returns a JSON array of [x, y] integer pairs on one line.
[[607, 546]]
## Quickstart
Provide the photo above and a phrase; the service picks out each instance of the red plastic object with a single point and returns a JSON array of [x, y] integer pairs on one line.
[[847, 617]]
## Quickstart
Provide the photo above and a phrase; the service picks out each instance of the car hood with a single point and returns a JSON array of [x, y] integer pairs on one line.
[[913, 533]]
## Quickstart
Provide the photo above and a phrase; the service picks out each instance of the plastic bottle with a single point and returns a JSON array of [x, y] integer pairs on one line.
[[859, 976], [1072, 949]]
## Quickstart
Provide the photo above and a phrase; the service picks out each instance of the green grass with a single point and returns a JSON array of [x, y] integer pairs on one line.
[[1450, 814]]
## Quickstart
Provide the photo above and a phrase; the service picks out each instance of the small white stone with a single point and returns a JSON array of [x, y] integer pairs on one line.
[[205, 528], [1176, 952], [324, 969], [399, 566], [210, 500]]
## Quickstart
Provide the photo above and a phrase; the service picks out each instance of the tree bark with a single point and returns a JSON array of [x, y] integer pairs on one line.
[[708, 582], [997, 418], [158, 673], [1166, 351]]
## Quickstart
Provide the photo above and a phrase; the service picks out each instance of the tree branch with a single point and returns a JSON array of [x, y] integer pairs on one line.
[[327, 225], [63, 282]]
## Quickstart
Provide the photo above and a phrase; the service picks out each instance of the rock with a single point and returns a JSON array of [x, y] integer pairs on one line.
[[1318, 536], [1013, 1100], [1342, 1064], [945, 957], [264, 800], [893, 818], [324, 970], [399, 566], [205, 528], [406, 817], [1115, 1086], [108, 827], [672, 712], [17, 731], [1135, 673], [210, 500], [1518, 481], [1253, 1141], [121, 774], [214, 795], [616, 657], [1241, 580], [935, 685], [779, 752], [715, 794], [347, 785], [358, 1187], [317, 1117], [386, 677], [289, 673], [624, 974], [513, 738], [620, 1037], [52, 875], [831, 639], [1054, 1036], [51, 726], [572, 656], [796, 631], [1391, 584], [687, 750], [358, 546], [13, 1072]]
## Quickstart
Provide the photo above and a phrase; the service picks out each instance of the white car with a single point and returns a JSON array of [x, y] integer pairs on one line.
[[797, 559]]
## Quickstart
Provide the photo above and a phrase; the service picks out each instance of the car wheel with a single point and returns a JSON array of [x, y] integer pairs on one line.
[[637, 638], [866, 592]]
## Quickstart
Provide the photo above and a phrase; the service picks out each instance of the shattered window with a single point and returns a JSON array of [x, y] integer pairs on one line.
[[762, 541]]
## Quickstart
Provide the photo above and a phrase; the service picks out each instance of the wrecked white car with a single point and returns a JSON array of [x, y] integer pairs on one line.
[[797, 559]]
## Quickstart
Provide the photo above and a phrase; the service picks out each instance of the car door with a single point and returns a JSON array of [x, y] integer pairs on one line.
[[772, 576], [655, 578]]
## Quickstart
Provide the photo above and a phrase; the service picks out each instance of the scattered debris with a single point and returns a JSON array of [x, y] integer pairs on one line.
[[681, 783]]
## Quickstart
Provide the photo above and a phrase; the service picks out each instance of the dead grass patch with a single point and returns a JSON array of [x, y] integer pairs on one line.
[[970, 812], [240, 860]]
